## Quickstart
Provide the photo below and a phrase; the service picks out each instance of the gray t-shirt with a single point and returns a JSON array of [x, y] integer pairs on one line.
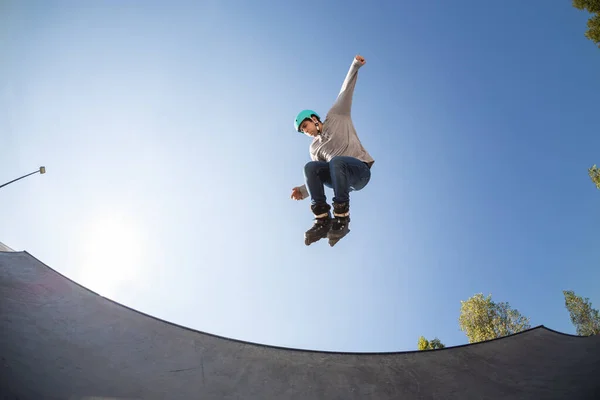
[[338, 136]]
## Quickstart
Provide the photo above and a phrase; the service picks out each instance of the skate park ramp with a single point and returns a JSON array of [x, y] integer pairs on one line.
[[60, 340]]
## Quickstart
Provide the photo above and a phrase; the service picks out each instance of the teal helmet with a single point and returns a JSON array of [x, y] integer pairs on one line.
[[302, 115]]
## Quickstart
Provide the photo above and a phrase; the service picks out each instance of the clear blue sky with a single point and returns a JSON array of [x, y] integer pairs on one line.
[[166, 130]]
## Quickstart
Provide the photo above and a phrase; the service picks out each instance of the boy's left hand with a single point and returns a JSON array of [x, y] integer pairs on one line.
[[360, 59]]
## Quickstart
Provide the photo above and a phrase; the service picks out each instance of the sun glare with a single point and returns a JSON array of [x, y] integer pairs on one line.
[[112, 253]]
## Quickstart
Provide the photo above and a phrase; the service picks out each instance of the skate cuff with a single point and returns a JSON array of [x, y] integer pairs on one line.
[[346, 214], [322, 215]]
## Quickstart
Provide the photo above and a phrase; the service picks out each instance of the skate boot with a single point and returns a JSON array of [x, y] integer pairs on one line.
[[340, 226], [322, 223]]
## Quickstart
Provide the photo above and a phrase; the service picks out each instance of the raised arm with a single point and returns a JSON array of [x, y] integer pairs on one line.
[[343, 103]]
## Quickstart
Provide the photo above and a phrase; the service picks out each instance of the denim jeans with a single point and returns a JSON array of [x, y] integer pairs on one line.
[[342, 174]]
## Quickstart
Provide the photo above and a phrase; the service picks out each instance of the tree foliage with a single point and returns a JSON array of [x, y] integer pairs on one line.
[[583, 316], [594, 173], [593, 24], [482, 319], [434, 344]]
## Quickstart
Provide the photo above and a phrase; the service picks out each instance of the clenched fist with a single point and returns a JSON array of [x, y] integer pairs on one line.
[[360, 59]]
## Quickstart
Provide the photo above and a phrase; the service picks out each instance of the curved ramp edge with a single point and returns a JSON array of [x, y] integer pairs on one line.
[[74, 343]]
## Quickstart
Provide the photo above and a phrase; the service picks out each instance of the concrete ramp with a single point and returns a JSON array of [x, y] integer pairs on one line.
[[59, 340]]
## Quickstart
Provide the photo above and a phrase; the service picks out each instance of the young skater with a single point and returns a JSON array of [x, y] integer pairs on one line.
[[339, 161]]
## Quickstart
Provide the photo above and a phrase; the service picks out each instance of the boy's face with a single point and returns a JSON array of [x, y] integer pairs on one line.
[[309, 127]]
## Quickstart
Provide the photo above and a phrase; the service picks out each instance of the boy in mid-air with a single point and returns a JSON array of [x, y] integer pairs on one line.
[[339, 161]]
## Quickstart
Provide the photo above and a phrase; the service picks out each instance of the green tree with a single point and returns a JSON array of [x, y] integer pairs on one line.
[[482, 319], [593, 24], [583, 316], [425, 344], [594, 173]]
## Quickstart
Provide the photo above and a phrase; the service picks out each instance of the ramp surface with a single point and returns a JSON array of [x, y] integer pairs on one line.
[[61, 341]]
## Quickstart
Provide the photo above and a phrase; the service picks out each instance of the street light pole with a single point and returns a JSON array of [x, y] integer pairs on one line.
[[42, 170]]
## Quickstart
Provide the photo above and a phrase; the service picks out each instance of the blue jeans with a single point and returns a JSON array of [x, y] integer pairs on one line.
[[342, 174]]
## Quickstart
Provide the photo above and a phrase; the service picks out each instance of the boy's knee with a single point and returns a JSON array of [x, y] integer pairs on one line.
[[310, 167]]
